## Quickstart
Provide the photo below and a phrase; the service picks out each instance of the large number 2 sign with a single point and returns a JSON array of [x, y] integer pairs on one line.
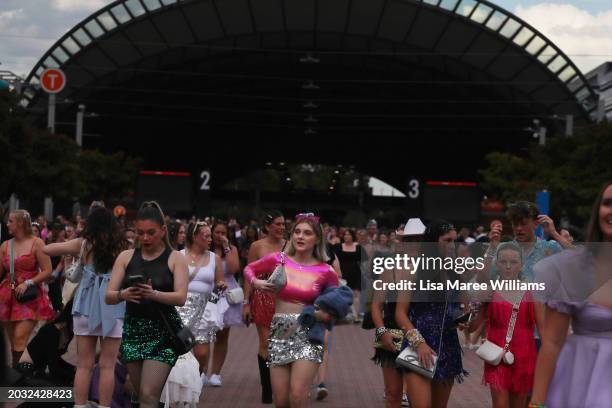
[[205, 177], [414, 189]]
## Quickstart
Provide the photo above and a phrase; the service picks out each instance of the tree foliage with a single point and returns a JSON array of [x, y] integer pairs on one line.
[[572, 169], [37, 164]]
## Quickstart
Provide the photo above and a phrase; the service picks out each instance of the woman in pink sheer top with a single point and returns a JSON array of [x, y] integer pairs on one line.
[[293, 359]]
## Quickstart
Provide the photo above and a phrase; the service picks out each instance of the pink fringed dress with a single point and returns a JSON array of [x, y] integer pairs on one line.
[[518, 377]]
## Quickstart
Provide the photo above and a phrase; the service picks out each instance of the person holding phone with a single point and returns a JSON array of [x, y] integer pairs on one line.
[[101, 242], [153, 280], [525, 218]]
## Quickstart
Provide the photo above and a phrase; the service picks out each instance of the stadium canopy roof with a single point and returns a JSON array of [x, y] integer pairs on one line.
[[317, 70]]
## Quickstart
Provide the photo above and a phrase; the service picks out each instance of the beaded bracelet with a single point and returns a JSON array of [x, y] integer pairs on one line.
[[534, 405], [414, 338]]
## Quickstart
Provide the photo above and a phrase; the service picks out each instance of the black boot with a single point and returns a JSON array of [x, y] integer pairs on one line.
[[266, 384], [16, 357]]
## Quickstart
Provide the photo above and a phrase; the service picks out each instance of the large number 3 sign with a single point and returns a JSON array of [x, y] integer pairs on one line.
[[205, 178], [413, 191]]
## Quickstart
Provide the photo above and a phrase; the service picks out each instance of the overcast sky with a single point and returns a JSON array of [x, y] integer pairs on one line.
[[581, 28]]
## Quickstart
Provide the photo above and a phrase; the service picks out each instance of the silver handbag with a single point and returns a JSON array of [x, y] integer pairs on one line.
[[409, 358], [279, 278], [74, 272]]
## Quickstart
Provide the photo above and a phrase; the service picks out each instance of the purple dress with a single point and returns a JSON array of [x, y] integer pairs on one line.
[[584, 367], [233, 315]]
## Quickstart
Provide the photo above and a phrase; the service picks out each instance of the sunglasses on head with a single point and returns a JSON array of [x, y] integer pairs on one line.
[[197, 226]]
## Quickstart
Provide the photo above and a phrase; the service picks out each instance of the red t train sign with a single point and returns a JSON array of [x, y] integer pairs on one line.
[[52, 80]]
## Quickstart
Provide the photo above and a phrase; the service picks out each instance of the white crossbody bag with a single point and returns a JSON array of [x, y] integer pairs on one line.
[[494, 354]]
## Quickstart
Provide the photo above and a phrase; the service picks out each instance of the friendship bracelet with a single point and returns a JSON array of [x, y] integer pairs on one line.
[[534, 405]]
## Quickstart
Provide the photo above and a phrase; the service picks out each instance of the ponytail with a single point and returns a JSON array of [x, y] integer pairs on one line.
[[151, 211]]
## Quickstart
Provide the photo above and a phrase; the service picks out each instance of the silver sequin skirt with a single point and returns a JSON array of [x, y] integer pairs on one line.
[[191, 315], [289, 342]]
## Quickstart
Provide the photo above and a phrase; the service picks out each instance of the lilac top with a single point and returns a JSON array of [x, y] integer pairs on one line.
[[584, 366]]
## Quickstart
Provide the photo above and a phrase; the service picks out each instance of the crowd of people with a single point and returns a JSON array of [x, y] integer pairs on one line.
[[150, 304]]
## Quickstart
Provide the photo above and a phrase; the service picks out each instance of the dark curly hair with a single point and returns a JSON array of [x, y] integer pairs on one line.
[[105, 238]]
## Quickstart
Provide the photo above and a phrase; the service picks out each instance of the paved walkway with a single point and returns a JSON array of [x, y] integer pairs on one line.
[[353, 380]]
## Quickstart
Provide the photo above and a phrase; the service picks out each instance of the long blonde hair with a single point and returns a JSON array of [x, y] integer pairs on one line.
[[23, 217], [319, 251]]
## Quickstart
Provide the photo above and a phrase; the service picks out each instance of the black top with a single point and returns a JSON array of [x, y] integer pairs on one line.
[[162, 280], [350, 264]]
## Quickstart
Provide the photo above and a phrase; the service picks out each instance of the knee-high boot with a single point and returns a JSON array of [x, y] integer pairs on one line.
[[16, 356], [266, 384]]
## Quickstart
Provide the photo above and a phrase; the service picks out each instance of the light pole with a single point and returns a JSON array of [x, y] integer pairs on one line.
[[80, 118], [79, 125]]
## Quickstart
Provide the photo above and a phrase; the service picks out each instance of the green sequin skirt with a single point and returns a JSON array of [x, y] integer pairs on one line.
[[147, 339]]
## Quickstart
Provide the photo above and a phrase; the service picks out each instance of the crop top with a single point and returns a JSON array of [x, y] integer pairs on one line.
[[304, 282], [204, 281]]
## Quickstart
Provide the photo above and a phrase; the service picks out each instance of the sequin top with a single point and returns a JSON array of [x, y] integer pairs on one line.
[[304, 282]]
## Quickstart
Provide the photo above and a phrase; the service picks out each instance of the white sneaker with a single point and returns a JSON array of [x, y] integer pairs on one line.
[[205, 380], [215, 380]]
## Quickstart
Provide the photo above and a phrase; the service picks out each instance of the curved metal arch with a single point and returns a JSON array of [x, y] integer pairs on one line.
[[490, 17]]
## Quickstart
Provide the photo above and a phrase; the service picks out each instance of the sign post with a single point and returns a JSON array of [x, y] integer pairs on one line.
[[543, 204], [52, 81]]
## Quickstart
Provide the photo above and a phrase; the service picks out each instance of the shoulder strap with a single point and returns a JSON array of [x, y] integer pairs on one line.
[[282, 255], [515, 309], [82, 252], [12, 256], [443, 321]]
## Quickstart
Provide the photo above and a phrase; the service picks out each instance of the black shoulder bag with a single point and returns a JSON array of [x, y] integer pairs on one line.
[[181, 338], [31, 292]]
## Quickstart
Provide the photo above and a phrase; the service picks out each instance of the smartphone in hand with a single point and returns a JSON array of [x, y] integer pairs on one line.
[[134, 280]]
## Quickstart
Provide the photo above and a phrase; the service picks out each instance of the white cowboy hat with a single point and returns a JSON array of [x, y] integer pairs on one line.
[[414, 226]]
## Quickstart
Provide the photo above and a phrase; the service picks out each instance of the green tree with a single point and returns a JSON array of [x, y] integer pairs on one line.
[[572, 169], [36, 163]]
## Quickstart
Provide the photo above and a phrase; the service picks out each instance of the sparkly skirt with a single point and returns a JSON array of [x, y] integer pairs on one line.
[[147, 339], [191, 315], [289, 342]]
